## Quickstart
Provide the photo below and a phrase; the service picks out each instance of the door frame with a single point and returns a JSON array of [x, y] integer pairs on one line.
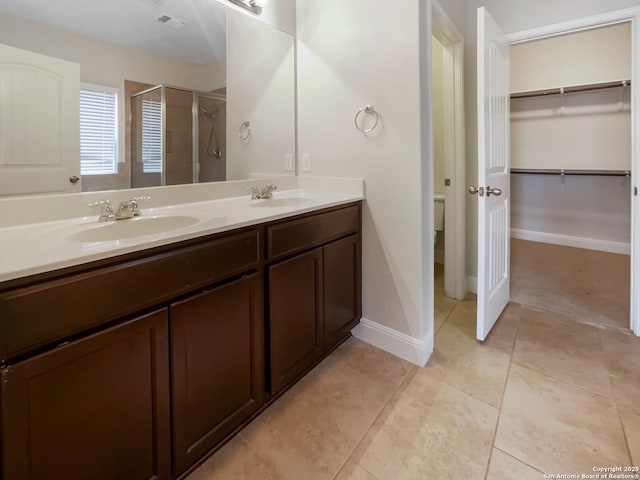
[[631, 15], [455, 215]]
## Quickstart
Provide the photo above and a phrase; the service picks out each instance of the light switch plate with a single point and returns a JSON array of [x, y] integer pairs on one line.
[[288, 162], [306, 162]]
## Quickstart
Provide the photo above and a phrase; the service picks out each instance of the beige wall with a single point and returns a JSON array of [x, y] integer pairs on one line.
[[261, 86], [592, 56], [351, 54], [586, 130]]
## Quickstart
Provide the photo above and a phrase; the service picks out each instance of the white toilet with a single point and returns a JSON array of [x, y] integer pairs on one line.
[[438, 214]]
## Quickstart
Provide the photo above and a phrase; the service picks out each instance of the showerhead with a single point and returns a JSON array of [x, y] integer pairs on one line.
[[208, 113]]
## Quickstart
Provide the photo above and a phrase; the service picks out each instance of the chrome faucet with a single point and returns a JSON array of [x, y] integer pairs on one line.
[[106, 210], [258, 193], [127, 209]]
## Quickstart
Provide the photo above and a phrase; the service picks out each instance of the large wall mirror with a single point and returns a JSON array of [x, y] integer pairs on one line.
[[136, 93]]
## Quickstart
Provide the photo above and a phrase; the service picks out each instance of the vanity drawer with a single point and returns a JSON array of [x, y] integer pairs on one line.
[[293, 236], [50, 311]]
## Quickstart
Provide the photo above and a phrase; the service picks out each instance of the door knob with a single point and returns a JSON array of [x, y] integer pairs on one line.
[[473, 190], [493, 191], [75, 179]]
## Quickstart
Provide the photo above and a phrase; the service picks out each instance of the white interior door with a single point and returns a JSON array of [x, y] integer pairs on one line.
[[39, 123], [493, 173]]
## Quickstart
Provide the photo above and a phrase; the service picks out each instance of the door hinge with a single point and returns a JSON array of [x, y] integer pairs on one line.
[[635, 191]]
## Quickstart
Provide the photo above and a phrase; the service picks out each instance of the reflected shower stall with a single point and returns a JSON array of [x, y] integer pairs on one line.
[[177, 136]]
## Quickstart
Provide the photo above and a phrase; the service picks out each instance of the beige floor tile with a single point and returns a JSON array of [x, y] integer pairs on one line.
[[556, 427], [443, 305], [476, 369], [429, 430], [311, 431], [566, 350], [502, 335], [504, 332], [353, 471], [622, 350], [235, 461], [569, 280], [464, 314], [631, 425], [505, 467], [626, 393]]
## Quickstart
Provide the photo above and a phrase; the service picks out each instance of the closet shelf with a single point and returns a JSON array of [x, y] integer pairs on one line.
[[560, 171], [571, 89]]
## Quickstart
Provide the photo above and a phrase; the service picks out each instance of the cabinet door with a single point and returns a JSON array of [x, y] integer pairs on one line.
[[96, 409], [217, 366], [295, 290], [341, 299]]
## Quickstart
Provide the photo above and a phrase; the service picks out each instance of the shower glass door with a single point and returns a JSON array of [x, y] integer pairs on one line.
[[178, 141], [211, 141], [147, 166]]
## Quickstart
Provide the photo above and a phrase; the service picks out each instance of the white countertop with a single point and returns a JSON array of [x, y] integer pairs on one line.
[[34, 248]]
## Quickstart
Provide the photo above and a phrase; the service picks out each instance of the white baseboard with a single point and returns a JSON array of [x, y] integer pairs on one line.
[[397, 343], [569, 241], [472, 284]]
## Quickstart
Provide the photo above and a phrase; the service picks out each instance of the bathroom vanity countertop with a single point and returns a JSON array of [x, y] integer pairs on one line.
[[40, 247]]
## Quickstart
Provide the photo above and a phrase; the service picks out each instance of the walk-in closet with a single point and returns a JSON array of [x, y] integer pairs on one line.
[[570, 174]]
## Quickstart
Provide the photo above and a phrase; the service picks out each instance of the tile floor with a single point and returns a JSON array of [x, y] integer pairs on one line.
[[544, 394]]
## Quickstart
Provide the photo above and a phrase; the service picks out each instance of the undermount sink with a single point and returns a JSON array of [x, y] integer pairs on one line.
[[282, 202], [134, 227]]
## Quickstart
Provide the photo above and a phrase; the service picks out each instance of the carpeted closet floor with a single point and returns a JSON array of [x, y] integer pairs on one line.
[[588, 285]]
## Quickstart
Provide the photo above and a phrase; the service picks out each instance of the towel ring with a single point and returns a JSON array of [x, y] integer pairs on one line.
[[364, 110], [244, 132]]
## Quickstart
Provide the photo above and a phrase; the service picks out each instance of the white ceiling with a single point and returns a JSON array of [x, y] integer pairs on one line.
[[133, 23]]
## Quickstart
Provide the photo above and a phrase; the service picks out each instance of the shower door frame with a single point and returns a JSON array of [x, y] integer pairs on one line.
[[195, 126]]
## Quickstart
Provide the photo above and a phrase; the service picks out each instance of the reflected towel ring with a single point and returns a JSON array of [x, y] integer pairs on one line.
[[244, 132], [367, 109]]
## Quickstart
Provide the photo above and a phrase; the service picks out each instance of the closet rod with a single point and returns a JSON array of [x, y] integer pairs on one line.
[[573, 89], [598, 173]]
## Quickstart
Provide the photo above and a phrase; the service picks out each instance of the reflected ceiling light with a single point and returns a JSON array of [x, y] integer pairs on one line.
[[251, 5]]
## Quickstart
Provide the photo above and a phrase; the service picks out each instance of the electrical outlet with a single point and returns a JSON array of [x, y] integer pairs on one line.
[[306, 162], [288, 163]]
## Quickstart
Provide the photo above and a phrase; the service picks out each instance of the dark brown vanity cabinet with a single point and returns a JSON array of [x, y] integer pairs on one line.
[[314, 296], [341, 272], [217, 365], [295, 297], [136, 367], [96, 408]]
